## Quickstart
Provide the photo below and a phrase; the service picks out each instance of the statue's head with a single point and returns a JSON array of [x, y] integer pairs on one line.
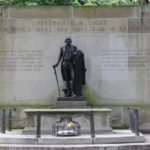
[[68, 40]]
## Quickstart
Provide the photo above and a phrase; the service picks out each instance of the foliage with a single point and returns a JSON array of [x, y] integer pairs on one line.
[[90, 96], [68, 2]]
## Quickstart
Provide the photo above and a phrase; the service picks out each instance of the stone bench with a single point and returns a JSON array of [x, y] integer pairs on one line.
[[91, 120]]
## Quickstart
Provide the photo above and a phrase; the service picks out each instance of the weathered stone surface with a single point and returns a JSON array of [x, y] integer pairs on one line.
[[146, 27], [134, 25], [80, 115], [74, 98], [1, 13], [7, 26], [101, 140], [117, 117], [42, 12], [146, 11], [103, 12], [114, 40], [71, 102], [139, 26], [47, 139]]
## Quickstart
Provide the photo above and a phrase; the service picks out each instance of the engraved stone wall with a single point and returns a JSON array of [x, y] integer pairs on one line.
[[115, 42]]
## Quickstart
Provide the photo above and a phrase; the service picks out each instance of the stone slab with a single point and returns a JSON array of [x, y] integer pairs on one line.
[[105, 110], [74, 12], [76, 147], [48, 131], [71, 102], [146, 11], [45, 12], [136, 26], [124, 136], [117, 146], [74, 98], [82, 116], [103, 12]]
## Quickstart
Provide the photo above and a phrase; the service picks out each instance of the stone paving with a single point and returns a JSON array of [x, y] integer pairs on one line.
[[118, 136]]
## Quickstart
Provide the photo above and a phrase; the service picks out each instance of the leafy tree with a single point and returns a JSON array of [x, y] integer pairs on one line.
[[68, 2]]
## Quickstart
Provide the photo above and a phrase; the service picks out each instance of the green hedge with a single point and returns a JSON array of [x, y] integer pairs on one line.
[[69, 2]]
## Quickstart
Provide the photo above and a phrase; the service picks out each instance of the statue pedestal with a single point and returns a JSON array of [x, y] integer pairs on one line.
[[71, 102]]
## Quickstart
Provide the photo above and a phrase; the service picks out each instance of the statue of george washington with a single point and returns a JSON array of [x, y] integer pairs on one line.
[[72, 68]]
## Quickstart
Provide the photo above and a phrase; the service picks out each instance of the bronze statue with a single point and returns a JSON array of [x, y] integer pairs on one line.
[[72, 68], [79, 71]]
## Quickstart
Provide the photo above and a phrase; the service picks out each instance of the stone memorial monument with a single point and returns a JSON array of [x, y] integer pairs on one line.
[[73, 73], [115, 43]]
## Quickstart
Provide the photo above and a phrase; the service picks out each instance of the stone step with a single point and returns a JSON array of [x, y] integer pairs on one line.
[[124, 136], [131, 146]]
